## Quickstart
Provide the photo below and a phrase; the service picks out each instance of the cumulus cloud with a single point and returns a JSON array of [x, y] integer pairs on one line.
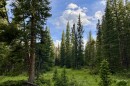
[[72, 6], [71, 14], [57, 43], [98, 15]]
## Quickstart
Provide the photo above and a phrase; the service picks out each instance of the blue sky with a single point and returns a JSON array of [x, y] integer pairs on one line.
[[68, 10]]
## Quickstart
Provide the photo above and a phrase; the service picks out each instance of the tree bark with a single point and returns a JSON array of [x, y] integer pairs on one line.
[[32, 53]]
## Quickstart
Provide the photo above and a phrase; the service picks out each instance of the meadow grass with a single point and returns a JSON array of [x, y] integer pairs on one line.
[[83, 77]]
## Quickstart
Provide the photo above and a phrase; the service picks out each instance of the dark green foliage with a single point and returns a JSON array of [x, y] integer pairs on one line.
[[44, 53], [63, 51], [73, 82], [113, 35], [80, 50], [55, 75], [68, 46], [14, 62], [56, 78], [61, 80], [9, 33], [104, 74], [64, 78], [90, 52], [3, 12], [99, 45], [31, 15], [4, 54], [74, 47], [42, 82]]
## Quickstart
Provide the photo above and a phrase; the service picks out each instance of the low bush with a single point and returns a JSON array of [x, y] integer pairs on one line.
[[121, 83], [13, 83], [43, 82]]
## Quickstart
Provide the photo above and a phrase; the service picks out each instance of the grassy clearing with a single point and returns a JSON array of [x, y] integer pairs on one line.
[[13, 78], [83, 77]]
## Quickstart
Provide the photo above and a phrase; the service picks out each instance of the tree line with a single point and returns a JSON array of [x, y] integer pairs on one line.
[[111, 44]]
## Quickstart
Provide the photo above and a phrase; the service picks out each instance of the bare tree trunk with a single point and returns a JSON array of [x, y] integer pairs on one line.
[[32, 53]]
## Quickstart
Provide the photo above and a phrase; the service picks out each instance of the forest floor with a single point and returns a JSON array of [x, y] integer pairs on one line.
[[83, 77]]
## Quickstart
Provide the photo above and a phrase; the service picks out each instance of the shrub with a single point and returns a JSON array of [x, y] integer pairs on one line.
[[121, 83], [73, 82], [104, 74], [61, 80], [43, 82], [56, 78]]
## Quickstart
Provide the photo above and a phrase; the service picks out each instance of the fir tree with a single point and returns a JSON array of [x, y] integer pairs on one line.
[[64, 78], [68, 46], [55, 75], [90, 51], [63, 51], [104, 74], [99, 44], [36, 12], [79, 59], [44, 53], [57, 81], [74, 47]]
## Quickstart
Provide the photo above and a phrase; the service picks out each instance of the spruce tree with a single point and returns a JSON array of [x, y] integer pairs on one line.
[[44, 53], [99, 44], [68, 46], [56, 78], [104, 74], [80, 31], [64, 78], [90, 51], [63, 51], [110, 42], [35, 14], [74, 47]]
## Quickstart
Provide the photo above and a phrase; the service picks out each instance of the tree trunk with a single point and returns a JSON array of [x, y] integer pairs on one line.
[[32, 53]]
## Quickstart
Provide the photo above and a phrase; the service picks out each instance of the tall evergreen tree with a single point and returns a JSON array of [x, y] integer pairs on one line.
[[63, 51], [110, 37], [105, 74], [74, 47], [90, 51], [68, 46], [34, 13], [44, 53], [80, 56], [99, 44]]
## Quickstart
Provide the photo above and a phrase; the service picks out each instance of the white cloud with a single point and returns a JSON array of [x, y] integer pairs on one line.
[[72, 6], [103, 2], [98, 15], [57, 43], [71, 14]]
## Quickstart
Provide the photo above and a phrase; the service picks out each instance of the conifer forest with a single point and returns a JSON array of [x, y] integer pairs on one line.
[[29, 55]]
